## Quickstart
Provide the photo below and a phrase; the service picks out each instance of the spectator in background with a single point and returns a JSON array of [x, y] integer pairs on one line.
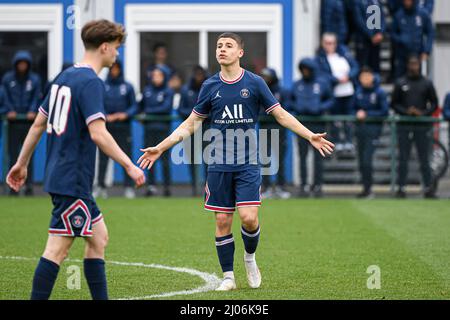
[[157, 100], [412, 33], [447, 115], [277, 190], [160, 60], [311, 96], [368, 40], [175, 82], [370, 101], [351, 27], [22, 93], [2, 100], [426, 5], [189, 97], [415, 96], [333, 18], [2, 111], [120, 107], [338, 66]]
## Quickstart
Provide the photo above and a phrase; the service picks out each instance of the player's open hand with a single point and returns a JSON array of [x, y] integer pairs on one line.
[[16, 177], [137, 175], [149, 157], [324, 146]]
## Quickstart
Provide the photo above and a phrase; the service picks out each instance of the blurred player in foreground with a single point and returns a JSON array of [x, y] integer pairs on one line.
[[232, 99], [74, 117]]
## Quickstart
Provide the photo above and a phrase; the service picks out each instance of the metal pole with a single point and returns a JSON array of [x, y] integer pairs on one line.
[[393, 126]]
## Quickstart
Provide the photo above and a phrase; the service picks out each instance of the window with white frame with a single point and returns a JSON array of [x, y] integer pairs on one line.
[[34, 42], [190, 33], [37, 27]]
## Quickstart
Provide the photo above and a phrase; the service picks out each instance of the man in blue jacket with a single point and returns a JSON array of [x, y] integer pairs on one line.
[[368, 38], [2, 111], [447, 115], [412, 33], [157, 100], [120, 107], [189, 97], [22, 93], [427, 5], [370, 101], [333, 18], [278, 189], [311, 96]]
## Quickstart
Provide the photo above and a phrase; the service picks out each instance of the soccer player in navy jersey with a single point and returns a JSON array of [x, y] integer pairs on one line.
[[73, 116], [232, 100]]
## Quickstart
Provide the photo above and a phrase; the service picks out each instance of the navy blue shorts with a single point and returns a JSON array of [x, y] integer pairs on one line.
[[73, 217], [227, 190]]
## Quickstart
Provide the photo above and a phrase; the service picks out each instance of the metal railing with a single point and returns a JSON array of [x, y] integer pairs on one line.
[[392, 121]]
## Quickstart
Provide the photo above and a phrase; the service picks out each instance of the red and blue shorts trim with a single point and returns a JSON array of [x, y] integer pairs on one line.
[[226, 191], [73, 217]]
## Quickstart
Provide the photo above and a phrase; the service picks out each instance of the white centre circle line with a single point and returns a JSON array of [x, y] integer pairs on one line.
[[211, 280]]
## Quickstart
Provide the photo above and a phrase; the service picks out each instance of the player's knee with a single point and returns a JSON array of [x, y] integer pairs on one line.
[[57, 255], [250, 221], [223, 222]]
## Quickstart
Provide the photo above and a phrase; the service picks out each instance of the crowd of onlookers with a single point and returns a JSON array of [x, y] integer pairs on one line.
[[341, 81], [333, 82], [410, 31]]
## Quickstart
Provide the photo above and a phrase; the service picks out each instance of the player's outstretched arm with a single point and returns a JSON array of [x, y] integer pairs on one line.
[[18, 174], [184, 130], [103, 139], [317, 140]]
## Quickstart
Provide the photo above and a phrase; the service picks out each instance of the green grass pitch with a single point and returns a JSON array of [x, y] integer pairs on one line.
[[309, 249]]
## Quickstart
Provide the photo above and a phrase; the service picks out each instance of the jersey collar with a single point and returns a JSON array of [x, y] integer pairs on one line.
[[83, 65], [232, 81]]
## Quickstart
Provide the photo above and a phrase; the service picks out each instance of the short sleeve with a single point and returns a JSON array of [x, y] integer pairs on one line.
[[91, 101], [267, 100], [203, 106], [44, 107]]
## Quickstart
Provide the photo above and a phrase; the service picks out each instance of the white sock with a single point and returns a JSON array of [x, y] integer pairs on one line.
[[249, 256], [228, 274]]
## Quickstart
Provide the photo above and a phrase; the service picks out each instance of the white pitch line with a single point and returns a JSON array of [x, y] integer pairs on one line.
[[211, 280]]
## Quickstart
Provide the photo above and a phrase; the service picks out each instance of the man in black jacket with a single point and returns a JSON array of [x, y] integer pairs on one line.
[[415, 95]]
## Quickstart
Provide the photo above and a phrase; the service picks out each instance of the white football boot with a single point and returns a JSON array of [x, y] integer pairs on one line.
[[227, 284], [253, 273]]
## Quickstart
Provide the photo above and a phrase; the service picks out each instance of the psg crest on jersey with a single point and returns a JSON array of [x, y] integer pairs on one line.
[[77, 221], [245, 93]]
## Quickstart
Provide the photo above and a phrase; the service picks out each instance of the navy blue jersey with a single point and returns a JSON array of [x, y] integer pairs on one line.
[[75, 100], [233, 108]]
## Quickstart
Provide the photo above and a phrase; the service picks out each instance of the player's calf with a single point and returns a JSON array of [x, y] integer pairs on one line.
[[250, 233], [251, 240], [47, 270], [94, 263]]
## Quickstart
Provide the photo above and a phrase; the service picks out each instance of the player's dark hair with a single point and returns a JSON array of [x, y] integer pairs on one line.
[[413, 56], [159, 45], [233, 36], [97, 32], [366, 69]]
